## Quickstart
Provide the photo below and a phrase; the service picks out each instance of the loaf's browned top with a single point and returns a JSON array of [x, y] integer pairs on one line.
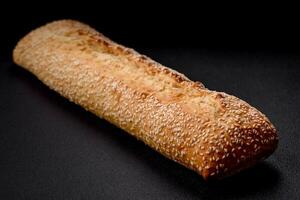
[[211, 132]]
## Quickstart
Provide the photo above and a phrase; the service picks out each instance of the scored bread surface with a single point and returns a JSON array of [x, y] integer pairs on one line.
[[211, 132]]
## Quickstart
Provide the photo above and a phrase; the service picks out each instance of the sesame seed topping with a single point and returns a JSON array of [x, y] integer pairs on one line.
[[183, 120]]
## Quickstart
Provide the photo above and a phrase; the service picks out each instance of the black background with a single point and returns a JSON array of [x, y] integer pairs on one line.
[[53, 149]]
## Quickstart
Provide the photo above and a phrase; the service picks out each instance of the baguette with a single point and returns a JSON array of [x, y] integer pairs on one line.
[[212, 133]]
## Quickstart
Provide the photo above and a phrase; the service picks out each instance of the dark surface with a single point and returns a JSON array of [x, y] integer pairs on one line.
[[175, 24], [53, 149]]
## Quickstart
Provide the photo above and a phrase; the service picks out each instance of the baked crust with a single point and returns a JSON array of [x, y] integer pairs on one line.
[[212, 133]]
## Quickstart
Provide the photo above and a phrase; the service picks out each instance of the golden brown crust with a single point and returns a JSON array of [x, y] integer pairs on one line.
[[211, 132]]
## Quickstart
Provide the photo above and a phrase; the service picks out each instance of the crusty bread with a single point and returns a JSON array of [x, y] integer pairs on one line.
[[213, 133]]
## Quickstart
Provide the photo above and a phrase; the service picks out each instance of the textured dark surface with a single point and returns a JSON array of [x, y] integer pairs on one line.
[[53, 149]]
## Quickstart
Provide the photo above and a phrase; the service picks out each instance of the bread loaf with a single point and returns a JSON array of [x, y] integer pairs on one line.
[[212, 133]]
